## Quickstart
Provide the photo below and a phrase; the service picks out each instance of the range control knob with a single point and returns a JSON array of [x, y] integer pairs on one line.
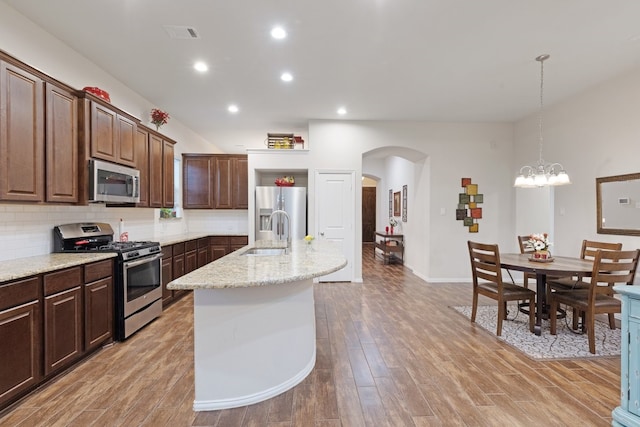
[[133, 254]]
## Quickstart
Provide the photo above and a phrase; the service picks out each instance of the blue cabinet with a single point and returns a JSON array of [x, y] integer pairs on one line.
[[628, 413]]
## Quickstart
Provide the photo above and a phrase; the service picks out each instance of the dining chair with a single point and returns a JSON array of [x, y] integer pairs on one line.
[[487, 281], [563, 284], [610, 267], [526, 248]]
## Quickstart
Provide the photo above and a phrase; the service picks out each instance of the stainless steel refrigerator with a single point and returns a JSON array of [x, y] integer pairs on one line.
[[292, 200]]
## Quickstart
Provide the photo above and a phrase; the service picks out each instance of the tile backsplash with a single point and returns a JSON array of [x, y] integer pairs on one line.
[[27, 230]]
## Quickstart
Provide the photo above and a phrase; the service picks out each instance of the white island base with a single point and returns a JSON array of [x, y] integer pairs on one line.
[[252, 343]]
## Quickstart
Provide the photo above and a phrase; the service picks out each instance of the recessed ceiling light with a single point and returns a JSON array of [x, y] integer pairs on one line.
[[278, 33], [342, 111], [286, 77], [201, 66], [233, 108]]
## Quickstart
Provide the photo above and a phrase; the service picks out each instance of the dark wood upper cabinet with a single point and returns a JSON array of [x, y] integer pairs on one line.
[[142, 162], [197, 173], [113, 135], [160, 171], [167, 174], [222, 183], [104, 132], [61, 145], [215, 181], [21, 135], [155, 170], [240, 182]]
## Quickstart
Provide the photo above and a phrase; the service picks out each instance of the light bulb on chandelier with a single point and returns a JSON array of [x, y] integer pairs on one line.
[[541, 174]]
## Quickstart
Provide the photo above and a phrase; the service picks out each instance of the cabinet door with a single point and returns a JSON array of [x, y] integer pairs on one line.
[[197, 181], [20, 337], [104, 133], [178, 266], [222, 183], [240, 173], [61, 145], [126, 144], [167, 175], [98, 312], [167, 276], [190, 261], [142, 164], [20, 333], [21, 135], [63, 329], [155, 171]]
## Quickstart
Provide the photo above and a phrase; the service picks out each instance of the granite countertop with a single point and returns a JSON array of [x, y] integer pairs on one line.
[[240, 271], [31, 266]]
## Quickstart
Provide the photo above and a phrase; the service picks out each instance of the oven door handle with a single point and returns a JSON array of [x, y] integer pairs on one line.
[[129, 264]]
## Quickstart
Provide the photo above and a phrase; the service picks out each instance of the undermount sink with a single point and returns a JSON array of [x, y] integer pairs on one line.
[[265, 251]]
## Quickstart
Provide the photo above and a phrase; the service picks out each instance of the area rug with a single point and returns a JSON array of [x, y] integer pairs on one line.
[[565, 345]]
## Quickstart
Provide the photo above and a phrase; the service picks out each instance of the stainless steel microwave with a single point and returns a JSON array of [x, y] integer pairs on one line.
[[109, 182]]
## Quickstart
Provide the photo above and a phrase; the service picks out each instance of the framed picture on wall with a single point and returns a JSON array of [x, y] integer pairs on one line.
[[396, 203], [390, 203], [404, 203]]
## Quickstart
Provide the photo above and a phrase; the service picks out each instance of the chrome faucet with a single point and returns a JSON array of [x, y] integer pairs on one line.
[[281, 212]]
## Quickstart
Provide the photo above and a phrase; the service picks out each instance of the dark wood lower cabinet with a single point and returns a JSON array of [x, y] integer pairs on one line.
[[98, 312], [63, 329], [220, 246], [21, 338]]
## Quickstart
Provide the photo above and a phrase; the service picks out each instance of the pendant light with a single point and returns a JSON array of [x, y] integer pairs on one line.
[[542, 174]]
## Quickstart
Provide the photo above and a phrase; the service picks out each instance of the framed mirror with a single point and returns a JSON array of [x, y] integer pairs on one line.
[[618, 204]]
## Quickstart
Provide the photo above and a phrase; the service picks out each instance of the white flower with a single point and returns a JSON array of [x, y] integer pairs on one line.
[[540, 242], [393, 222]]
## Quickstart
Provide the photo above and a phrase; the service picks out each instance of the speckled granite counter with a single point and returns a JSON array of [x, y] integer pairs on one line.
[[30, 266], [237, 270]]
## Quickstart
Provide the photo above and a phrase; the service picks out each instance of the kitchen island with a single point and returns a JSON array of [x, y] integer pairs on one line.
[[254, 321]]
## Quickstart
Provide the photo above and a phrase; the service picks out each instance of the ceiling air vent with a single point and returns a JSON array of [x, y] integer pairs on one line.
[[181, 32]]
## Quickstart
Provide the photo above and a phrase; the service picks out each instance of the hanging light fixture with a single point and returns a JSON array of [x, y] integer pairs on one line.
[[542, 174]]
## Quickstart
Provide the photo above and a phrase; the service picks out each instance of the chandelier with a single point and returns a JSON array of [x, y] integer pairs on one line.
[[541, 174]]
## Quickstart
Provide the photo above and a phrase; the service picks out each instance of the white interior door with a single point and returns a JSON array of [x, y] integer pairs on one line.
[[335, 217]]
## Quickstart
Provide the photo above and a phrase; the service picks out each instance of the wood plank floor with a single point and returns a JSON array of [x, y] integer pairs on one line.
[[390, 352]]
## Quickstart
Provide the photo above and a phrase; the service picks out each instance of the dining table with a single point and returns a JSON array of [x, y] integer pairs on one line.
[[558, 266]]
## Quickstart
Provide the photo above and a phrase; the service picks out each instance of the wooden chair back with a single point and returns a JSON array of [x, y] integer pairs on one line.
[[589, 248], [525, 246], [485, 263], [611, 267]]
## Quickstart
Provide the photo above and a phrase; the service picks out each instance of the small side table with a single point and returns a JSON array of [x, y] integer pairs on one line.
[[392, 247]]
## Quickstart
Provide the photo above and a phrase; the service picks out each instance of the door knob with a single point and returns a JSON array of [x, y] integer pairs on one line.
[[322, 234]]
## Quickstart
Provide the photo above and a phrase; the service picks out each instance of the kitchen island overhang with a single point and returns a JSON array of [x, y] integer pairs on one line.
[[254, 322]]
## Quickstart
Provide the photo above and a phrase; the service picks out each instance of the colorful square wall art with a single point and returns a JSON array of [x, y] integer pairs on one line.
[[468, 210]]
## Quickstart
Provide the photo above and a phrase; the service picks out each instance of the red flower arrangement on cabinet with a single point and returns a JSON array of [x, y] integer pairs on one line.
[[159, 117]]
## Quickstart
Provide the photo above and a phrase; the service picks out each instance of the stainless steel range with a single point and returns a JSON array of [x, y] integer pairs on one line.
[[138, 281]]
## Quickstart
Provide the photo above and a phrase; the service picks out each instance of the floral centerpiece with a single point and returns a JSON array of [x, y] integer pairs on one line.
[[159, 117], [541, 245]]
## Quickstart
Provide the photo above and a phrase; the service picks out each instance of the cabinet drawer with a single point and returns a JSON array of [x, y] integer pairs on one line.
[[20, 292], [62, 280], [178, 248], [203, 243], [98, 270], [219, 240], [167, 251], [634, 308], [239, 240], [191, 245]]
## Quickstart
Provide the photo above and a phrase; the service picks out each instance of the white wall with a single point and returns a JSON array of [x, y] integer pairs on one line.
[[454, 150], [594, 134]]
